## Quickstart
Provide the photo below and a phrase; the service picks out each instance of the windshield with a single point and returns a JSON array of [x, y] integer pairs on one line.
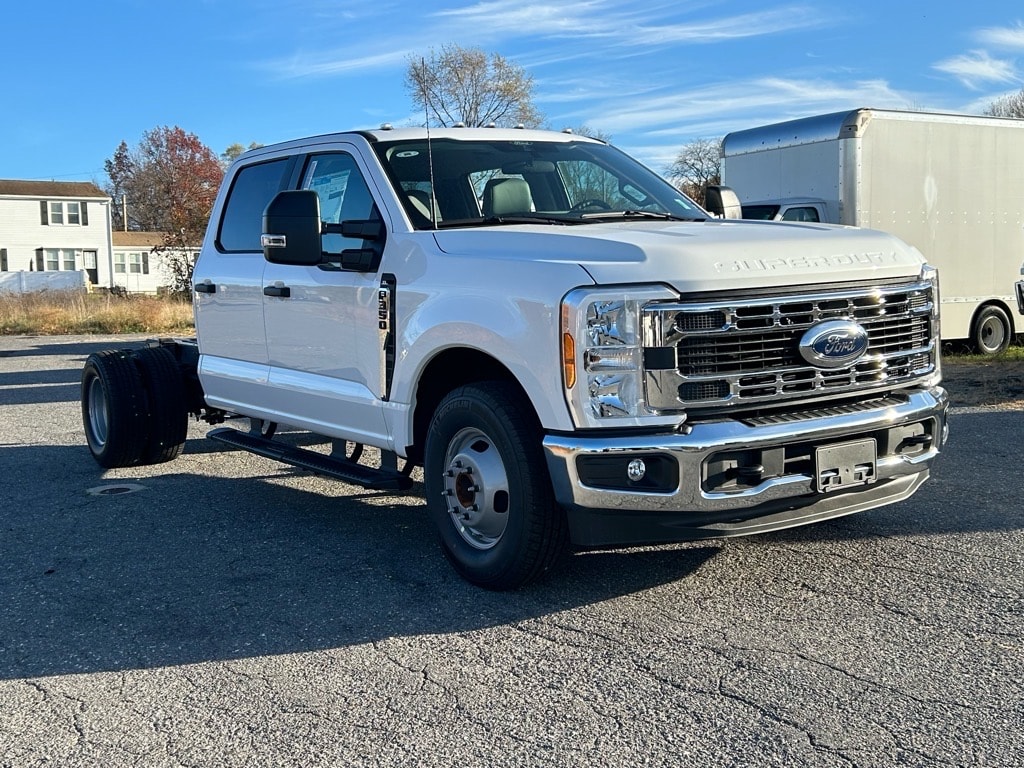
[[497, 182]]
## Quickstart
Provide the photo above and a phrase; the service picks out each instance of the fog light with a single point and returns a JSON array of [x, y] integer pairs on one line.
[[636, 470]]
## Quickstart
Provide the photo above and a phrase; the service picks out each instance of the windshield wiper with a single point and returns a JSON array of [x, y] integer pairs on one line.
[[633, 214], [492, 221]]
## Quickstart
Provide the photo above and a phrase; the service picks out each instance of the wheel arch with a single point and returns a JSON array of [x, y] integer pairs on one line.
[[451, 368]]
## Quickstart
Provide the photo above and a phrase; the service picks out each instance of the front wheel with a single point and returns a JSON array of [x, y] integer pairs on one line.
[[488, 488], [992, 330]]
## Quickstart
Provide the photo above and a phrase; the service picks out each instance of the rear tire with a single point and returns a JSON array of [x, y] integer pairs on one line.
[[165, 401], [488, 488], [992, 331], [114, 409]]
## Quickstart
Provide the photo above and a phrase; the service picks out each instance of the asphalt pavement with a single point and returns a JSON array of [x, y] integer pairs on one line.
[[225, 610]]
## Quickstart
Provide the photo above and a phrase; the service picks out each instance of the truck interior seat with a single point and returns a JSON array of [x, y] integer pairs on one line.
[[507, 196]]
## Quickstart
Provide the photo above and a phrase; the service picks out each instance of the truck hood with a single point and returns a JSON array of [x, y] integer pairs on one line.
[[710, 255]]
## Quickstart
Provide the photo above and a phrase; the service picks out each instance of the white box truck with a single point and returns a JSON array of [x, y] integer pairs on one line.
[[951, 185]]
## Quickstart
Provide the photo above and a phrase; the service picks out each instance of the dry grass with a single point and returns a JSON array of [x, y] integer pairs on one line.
[[74, 312], [973, 380]]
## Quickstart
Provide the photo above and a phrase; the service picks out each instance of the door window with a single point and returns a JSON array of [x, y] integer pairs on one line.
[[343, 194]]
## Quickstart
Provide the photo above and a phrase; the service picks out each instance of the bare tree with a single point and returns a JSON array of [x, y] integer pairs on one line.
[[469, 86], [697, 166], [1011, 105]]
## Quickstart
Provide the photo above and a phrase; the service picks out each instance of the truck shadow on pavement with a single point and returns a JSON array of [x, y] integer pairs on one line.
[[197, 566], [52, 385], [194, 568], [74, 346]]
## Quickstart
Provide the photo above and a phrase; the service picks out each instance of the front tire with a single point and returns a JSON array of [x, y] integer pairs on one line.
[[992, 330], [488, 488]]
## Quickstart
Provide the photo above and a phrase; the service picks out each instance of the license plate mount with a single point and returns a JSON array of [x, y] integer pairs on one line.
[[845, 465]]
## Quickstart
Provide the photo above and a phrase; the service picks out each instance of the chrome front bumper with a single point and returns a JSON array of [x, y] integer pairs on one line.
[[783, 485]]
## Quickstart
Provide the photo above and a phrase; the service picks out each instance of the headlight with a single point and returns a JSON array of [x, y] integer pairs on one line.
[[602, 355], [931, 274]]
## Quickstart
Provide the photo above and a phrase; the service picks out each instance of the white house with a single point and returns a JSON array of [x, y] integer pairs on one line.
[[50, 226], [139, 262], [61, 226]]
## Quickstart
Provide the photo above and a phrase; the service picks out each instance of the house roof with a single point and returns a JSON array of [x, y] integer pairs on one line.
[[137, 239], [22, 188]]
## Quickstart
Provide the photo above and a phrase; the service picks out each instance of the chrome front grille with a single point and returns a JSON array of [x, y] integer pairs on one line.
[[740, 351]]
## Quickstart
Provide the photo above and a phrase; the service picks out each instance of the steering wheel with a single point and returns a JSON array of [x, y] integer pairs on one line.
[[590, 202]]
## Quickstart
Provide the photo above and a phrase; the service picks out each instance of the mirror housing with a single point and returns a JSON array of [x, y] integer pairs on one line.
[[364, 229], [723, 202], [291, 228]]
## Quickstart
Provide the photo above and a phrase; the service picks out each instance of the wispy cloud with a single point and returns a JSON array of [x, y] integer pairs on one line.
[[661, 124], [558, 33], [323, 64], [1003, 37], [719, 104], [977, 67], [589, 19]]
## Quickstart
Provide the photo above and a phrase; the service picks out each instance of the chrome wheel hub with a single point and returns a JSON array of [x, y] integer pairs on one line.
[[475, 488]]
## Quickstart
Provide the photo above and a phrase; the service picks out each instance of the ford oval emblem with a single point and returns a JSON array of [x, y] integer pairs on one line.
[[834, 344]]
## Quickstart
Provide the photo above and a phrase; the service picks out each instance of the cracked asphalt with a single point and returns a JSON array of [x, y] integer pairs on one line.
[[225, 610]]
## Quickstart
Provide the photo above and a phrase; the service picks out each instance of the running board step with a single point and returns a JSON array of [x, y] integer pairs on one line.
[[341, 469]]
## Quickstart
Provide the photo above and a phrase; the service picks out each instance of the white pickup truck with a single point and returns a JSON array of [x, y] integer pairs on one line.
[[571, 349]]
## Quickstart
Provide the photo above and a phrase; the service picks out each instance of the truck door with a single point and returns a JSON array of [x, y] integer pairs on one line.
[[228, 301], [323, 337]]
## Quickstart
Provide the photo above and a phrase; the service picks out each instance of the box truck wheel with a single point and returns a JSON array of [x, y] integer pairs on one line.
[[488, 488], [991, 330]]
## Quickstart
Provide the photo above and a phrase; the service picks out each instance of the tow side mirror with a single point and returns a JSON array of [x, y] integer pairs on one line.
[[364, 229], [723, 202], [365, 259], [291, 228]]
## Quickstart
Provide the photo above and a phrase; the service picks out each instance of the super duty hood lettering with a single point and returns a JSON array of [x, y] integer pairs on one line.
[[705, 256]]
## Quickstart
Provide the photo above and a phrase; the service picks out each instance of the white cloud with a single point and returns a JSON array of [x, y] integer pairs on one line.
[[659, 125], [1003, 37], [589, 19], [717, 107], [557, 33], [303, 65], [977, 67]]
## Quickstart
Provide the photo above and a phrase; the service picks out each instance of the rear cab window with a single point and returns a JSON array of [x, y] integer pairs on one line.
[[253, 187]]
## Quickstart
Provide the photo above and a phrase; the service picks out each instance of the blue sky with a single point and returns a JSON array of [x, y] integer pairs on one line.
[[654, 76]]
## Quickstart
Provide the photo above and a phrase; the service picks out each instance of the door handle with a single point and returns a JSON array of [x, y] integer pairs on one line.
[[206, 287], [281, 291]]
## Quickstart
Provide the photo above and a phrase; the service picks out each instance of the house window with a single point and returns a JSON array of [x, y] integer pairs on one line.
[[133, 262], [56, 259], [60, 213]]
